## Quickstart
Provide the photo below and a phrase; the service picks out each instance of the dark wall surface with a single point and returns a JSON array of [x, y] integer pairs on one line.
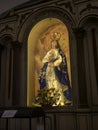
[[8, 4]]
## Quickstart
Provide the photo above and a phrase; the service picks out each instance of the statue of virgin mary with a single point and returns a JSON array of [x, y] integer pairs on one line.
[[54, 73]]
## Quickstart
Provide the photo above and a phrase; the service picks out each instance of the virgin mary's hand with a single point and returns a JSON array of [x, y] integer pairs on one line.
[[51, 64]]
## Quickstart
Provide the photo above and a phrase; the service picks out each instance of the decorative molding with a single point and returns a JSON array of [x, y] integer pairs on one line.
[[8, 19], [58, 13], [76, 2], [7, 28], [68, 5], [22, 18], [30, 6], [89, 7]]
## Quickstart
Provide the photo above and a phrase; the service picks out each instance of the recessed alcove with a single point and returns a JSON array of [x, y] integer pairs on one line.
[[38, 45]]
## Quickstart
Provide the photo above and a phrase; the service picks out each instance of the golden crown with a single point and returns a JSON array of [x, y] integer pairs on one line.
[[55, 36]]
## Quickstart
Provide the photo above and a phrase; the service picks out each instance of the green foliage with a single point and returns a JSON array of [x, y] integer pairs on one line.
[[47, 97]]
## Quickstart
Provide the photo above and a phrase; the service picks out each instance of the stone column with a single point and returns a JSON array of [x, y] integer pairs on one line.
[[82, 88]]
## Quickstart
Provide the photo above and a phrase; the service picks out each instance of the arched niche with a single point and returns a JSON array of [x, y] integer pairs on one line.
[[38, 45], [90, 45]]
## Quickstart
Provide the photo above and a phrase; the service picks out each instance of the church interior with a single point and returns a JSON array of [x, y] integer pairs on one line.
[[26, 30]]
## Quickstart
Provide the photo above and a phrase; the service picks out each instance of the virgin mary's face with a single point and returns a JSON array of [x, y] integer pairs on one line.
[[54, 44]]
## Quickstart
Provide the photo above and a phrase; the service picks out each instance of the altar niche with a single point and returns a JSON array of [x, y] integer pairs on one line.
[[40, 42]]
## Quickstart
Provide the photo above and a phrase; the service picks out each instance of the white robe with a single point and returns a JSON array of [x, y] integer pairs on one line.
[[51, 78]]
